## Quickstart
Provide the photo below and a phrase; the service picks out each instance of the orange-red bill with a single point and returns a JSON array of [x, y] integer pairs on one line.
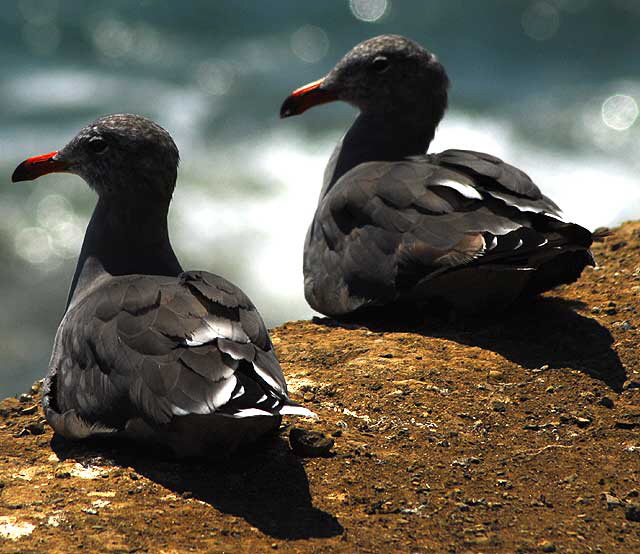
[[303, 98], [35, 167]]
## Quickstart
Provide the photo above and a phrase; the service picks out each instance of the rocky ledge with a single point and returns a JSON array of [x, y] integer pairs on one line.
[[519, 434]]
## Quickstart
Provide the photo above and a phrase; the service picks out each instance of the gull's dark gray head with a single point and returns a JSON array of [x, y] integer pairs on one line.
[[116, 155], [388, 73]]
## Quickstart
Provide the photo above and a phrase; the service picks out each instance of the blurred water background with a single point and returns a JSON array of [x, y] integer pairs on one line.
[[552, 86]]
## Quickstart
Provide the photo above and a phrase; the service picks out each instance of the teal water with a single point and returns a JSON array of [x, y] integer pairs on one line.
[[552, 86]]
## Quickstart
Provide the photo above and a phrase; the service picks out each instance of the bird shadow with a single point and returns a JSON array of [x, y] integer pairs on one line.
[[542, 331], [266, 485]]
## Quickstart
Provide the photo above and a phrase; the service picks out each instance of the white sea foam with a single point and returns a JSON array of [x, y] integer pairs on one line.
[[242, 209], [266, 231]]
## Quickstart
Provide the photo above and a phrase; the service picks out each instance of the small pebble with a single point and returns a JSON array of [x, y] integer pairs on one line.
[[632, 513], [62, 474], [24, 398], [631, 384], [583, 421], [36, 428], [623, 325], [606, 401], [310, 444], [547, 546], [611, 501]]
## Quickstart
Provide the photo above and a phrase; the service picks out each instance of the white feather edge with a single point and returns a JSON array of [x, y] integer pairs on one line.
[[285, 410], [465, 190]]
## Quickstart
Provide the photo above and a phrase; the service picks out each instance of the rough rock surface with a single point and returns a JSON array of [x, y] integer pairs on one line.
[[518, 434]]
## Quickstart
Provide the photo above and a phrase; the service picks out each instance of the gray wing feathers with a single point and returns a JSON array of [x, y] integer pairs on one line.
[[156, 348], [384, 225]]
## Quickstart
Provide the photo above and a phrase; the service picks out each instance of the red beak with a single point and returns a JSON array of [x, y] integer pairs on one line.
[[300, 100], [35, 167]]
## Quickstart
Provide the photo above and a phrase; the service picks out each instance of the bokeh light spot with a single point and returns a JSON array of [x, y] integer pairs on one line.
[[215, 77], [310, 43], [53, 209], [541, 21], [113, 38], [33, 244], [619, 112], [66, 239], [38, 12], [369, 10]]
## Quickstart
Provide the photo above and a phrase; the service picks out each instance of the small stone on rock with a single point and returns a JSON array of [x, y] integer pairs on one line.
[[632, 513], [631, 384], [310, 444], [611, 500], [606, 401], [547, 546], [583, 421], [36, 428], [498, 406], [24, 398]]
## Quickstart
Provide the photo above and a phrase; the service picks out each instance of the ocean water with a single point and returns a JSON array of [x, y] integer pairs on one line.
[[551, 86]]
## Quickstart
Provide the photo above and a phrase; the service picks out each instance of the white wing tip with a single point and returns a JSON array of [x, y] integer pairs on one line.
[[288, 409]]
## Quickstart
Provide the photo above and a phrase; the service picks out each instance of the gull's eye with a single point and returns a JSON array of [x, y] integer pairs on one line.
[[97, 145], [380, 64]]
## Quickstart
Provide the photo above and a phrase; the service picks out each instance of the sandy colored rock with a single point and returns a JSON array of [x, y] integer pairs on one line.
[[446, 440]]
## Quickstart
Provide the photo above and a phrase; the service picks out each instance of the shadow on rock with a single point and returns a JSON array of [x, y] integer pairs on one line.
[[544, 331], [267, 485]]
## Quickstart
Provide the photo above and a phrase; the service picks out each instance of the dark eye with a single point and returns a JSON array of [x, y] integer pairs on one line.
[[380, 64], [97, 145]]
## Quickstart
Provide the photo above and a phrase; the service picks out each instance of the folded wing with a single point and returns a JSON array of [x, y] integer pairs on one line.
[[157, 348], [385, 226]]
